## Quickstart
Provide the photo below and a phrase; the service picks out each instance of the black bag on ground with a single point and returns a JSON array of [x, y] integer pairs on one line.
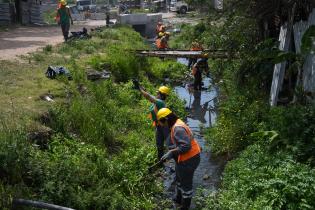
[[54, 71], [80, 34]]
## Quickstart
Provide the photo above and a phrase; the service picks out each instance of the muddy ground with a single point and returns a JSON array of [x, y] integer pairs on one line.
[[20, 40]]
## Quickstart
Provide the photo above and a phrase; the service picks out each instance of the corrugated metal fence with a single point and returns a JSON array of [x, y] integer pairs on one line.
[[308, 69]]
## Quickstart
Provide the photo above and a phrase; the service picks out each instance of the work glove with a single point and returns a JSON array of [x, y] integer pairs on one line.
[[136, 84], [167, 156]]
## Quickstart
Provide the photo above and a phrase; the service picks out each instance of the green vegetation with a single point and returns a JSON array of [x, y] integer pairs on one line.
[[272, 147], [102, 144], [139, 11], [49, 16]]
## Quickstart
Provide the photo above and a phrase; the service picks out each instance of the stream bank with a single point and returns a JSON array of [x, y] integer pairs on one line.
[[201, 106]]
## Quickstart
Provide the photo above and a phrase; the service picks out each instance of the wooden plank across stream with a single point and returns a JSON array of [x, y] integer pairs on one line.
[[219, 54]]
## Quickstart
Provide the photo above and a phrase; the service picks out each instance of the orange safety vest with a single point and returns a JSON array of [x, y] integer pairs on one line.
[[194, 150], [196, 49], [160, 44]]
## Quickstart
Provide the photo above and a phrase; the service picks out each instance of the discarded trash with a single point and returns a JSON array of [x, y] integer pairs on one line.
[[80, 34], [47, 97], [176, 30], [205, 177], [54, 71], [98, 75]]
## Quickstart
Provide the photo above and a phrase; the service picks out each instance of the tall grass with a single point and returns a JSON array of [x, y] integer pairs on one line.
[[103, 142]]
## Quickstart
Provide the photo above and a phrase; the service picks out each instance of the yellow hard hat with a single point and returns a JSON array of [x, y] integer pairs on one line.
[[161, 34], [163, 113], [63, 2], [165, 90]]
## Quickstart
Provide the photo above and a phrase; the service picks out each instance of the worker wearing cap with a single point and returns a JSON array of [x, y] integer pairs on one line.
[[64, 18], [186, 152], [158, 102]]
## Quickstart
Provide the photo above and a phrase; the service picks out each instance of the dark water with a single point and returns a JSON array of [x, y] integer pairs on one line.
[[202, 114]]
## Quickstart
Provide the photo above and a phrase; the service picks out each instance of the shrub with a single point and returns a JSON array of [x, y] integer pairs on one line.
[[259, 180]]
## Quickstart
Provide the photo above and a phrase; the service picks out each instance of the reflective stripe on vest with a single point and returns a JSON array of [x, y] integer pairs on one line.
[[194, 150]]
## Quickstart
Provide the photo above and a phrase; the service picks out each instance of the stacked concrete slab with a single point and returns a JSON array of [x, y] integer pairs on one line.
[[143, 23], [32, 12], [5, 14]]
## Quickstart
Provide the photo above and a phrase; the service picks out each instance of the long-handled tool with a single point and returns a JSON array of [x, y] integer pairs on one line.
[[155, 166]]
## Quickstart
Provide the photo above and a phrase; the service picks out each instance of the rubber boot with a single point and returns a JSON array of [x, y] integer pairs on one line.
[[185, 203], [178, 196]]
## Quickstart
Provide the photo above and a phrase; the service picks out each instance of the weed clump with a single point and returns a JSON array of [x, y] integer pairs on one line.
[[103, 142]]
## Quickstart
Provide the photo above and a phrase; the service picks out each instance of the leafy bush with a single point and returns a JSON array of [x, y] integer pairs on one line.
[[259, 180], [103, 142], [165, 69], [295, 126], [49, 16], [238, 118]]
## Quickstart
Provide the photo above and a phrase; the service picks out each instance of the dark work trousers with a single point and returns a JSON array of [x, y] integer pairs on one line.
[[161, 135], [191, 62], [184, 181], [65, 30], [198, 80]]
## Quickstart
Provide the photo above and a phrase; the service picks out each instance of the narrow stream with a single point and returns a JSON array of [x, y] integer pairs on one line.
[[201, 107]]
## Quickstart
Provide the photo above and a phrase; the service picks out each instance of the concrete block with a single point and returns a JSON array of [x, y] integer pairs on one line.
[[143, 23], [133, 19]]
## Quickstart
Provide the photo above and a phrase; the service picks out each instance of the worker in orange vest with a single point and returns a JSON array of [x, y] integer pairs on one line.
[[158, 102], [185, 151], [161, 43]]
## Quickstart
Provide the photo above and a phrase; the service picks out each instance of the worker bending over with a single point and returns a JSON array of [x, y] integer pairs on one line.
[[186, 152], [158, 102], [195, 46], [197, 69]]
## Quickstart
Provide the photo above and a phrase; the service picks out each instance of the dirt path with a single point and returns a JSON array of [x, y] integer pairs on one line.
[[26, 39]]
